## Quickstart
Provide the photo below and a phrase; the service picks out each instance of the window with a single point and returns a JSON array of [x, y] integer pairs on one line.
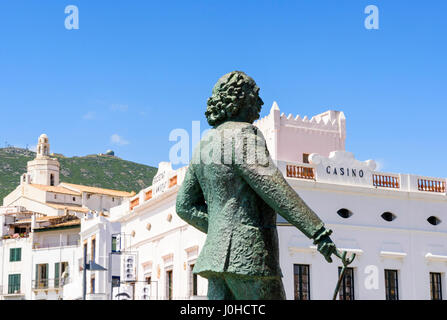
[[55, 196], [391, 285], [20, 230], [116, 280], [93, 249], [116, 243], [51, 179], [59, 269], [388, 216], [347, 285], [13, 283], [15, 254], [301, 281], [192, 281], [56, 274], [305, 158], [148, 280], [435, 286], [41, 276], [434, 220], [85, 251], [92, 284], [74, 199], [344, 213], [169, 284]]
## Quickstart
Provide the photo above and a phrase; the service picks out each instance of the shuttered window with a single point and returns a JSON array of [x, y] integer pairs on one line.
[[15, 254], [435, 286], [14, 283], [56, 274], [301, 281]]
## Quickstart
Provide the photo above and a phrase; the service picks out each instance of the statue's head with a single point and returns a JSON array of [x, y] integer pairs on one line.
[[235, 98]]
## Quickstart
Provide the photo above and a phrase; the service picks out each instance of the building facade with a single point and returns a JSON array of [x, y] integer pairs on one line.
[[394, 223], [41, 238]]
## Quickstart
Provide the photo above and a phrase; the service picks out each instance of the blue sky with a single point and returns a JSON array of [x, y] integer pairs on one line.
[[135, 70]]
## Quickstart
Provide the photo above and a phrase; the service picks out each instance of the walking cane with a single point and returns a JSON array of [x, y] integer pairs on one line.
[[346, 263]]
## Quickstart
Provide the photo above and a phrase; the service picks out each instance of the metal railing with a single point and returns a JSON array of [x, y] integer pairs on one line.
[[37, 245], [44, 284]]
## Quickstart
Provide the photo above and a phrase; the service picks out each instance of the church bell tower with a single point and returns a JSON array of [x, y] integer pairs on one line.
[[43, 169]]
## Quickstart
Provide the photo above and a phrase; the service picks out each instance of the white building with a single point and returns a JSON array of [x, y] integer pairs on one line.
[[394, 223], [41, 231]]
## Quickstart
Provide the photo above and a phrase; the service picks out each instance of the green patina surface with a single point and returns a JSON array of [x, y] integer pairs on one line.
[[232, 192]]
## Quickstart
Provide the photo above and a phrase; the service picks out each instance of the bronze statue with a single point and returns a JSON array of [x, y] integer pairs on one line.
[[232, 191]]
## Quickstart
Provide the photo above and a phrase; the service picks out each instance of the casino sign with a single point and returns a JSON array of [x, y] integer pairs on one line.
[[342, 167]]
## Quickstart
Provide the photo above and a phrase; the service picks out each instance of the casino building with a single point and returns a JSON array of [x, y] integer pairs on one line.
[[394, 223]]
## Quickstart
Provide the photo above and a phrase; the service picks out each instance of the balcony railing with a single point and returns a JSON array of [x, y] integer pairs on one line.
[[37, 245], [16, 236], [400, 182], [300, 172], [386, 181], [431, 185], [44, 284], [135, 202]]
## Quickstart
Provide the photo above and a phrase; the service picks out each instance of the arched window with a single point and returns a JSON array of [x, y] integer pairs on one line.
[[344, 213], [51, 179], [388, 216], [434, 220]]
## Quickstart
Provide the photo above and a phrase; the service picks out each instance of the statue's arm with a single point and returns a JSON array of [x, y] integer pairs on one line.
[[268, 182], [271, 186], [190, 203]]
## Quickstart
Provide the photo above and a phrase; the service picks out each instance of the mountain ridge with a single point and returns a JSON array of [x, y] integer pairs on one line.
[[103, 171]]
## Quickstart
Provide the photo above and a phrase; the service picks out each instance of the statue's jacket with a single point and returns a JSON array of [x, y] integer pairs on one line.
[[234, 198]]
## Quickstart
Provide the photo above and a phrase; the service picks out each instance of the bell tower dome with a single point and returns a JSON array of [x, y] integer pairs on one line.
[[43, 146], [44, 169]]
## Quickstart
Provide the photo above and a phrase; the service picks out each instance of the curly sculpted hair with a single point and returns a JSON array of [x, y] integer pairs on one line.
[[232, 93]]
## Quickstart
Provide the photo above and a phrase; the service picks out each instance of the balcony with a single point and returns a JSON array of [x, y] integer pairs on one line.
[[16, 236], [371, 179], [37, 245], [386, 181], [300, 172], [49, 284], [431, 185]]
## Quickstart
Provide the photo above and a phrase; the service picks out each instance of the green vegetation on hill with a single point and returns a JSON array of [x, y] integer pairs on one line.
[[94, 170]]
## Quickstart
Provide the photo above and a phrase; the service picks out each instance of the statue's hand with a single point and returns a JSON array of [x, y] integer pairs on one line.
[[324, 244]]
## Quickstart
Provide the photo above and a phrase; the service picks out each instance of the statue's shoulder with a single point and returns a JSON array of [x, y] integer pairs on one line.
[[241, 127]]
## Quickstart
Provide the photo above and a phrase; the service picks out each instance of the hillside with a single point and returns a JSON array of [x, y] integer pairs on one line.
[[94, 170]]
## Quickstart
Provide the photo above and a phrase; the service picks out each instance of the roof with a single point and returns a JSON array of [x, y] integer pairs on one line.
[[61, 190], [108, 192], [69, 208], [20, 212], [48, 218], [64, 225]]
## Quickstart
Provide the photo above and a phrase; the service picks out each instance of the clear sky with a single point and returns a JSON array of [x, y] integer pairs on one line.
[[135, 70]]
